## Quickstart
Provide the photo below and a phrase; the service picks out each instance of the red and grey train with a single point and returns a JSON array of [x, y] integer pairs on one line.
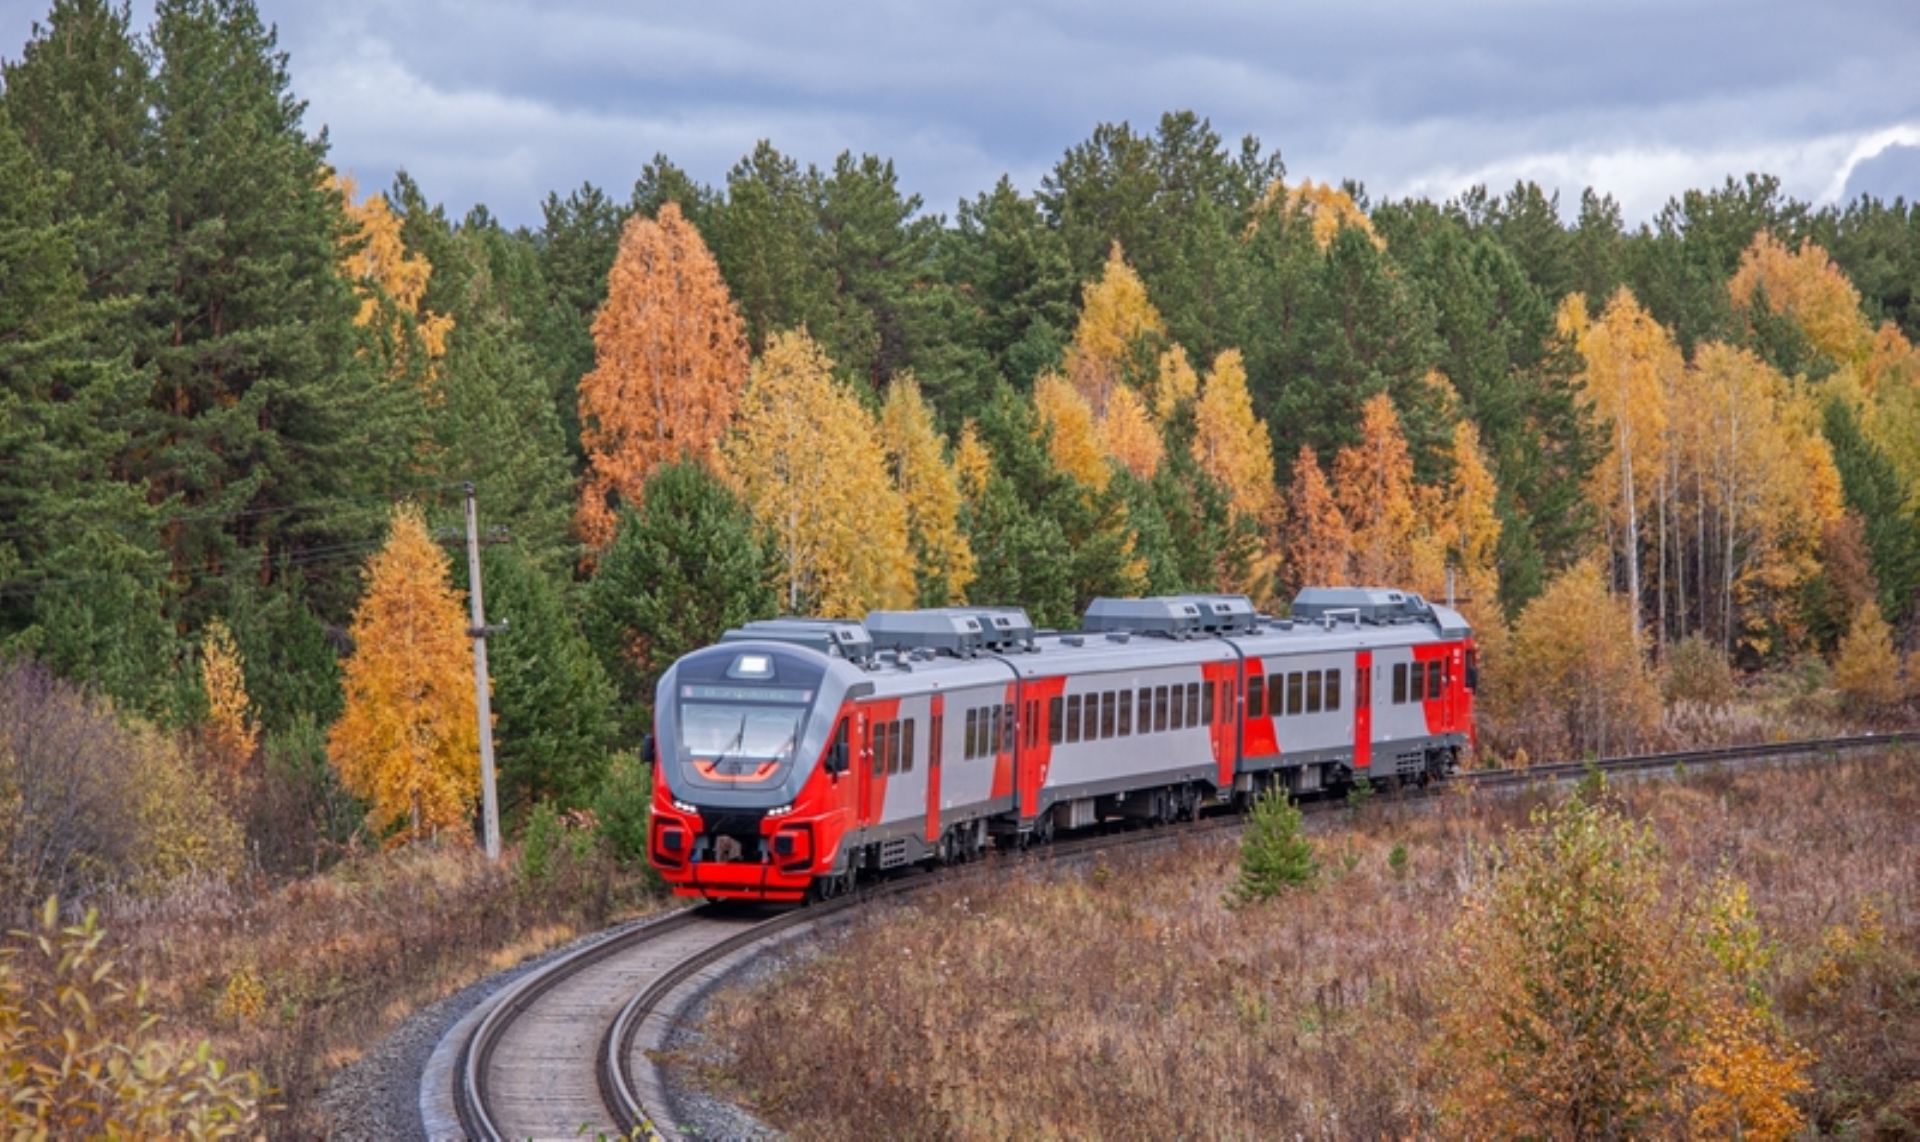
[[798, 754]]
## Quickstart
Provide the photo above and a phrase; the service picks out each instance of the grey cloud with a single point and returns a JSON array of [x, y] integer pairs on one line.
[[502, 100]]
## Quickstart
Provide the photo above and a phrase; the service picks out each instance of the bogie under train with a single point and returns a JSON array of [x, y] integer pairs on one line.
[[799, 753]]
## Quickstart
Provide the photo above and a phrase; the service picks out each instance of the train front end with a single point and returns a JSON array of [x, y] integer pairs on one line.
[[748, 799]]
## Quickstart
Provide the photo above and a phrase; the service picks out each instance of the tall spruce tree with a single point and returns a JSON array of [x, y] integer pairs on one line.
[[260, 409], [1874, 492]]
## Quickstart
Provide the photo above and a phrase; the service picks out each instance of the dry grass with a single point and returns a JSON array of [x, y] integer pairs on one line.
[[1124, 999], [298, 981]]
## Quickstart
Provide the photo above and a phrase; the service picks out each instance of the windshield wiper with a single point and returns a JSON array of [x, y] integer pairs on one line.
[[739, 742]]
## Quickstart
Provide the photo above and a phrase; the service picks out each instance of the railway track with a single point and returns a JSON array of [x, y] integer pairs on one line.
[[562, 1052]]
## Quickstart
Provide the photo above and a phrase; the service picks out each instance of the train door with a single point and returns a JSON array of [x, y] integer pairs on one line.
[[936, 729], [1363, 710], [863, 765]]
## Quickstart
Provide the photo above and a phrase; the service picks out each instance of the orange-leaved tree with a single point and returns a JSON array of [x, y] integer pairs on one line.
[[1316, 543], [391, 281], [930, 492], [231, 729], [1373, 484], [408, 740], [805, 456], [670, 362], [1175, 384]]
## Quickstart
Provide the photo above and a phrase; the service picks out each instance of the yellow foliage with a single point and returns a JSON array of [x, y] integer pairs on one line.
[[82, 1055], [1073, 438], [670, 361], [1807, 287], [408, 740], [1471, 525], [382, 268], [1867, 670], [1891, 361], [1582, 1000], [1576, 682], [1232, 444], [1115, 318], [1174, 383], [1315, 539], [930, 490], [185, 829], [1373, 484], [1632, 370], [805, 455], [1330, 209], [1765, 481], [230, 725], [972, 462], [1128, 434]]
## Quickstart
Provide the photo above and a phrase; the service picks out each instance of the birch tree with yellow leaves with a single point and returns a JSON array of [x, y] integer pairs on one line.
[[1805, 286], [806, 457], [408, 741], [232, 731], [1632, 369], [670, 361], [1232, 443], [930, 492]]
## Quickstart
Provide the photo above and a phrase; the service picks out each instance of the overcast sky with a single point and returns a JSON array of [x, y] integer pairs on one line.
[[500, 101]]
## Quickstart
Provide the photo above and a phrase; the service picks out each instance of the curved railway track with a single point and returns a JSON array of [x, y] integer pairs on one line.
[[562, 1052]]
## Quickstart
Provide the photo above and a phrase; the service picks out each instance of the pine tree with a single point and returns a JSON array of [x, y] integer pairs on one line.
[[258, 403], [408, 741], [681, 570], [552, 703], [805, 456], [1873, 491], [80, 569], [1273, 855], [671, 361], [930, 490]]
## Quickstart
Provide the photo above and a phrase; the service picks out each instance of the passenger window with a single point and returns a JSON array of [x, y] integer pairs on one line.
[[1313, 691], [1256, 696], [1434, 688], [1073, 717], [973, 717], [1399, 682], [1178, 720], [906, 746], [1007, 729], [879, 748], [1333, 689], [1126, 713], [1209, 695], [1056, 712], [1107, 701], [1193, 704], [1296, 694], [1159, 709], [997, 726], [1146, 709]]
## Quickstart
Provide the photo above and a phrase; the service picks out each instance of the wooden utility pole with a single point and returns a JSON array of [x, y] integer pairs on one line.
[[489, 793]]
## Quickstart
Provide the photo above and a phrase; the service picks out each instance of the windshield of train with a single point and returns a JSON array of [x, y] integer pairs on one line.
[[742, 716]]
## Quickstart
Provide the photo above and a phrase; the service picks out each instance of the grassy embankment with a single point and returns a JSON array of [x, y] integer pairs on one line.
[[1123, 998], [299, 981]]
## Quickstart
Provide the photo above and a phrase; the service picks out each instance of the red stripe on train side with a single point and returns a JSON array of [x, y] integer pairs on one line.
[[936, 725], [1258, 734], [1225, 677], [1363, 709], [1035, 760]]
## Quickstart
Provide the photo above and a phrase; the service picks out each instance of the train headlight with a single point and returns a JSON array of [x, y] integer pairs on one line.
[[683, 807], [781, 811]]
